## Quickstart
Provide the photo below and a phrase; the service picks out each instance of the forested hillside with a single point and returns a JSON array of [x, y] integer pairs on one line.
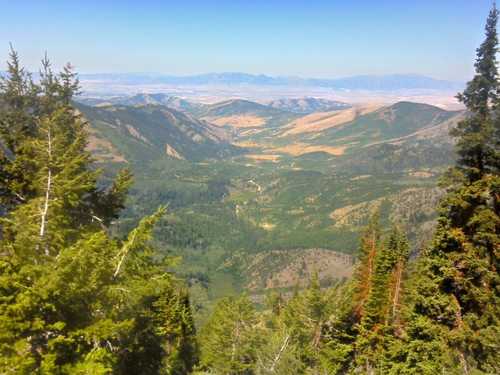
[[149, 234], [434, 314]]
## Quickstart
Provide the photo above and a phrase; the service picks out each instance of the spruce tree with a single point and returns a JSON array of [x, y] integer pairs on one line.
[[454, 323], [365, 269], [18, 108], [382, 308], [475, 135], [279, 353], [349, 303], [73, 299], [230, 338], [305, 317]]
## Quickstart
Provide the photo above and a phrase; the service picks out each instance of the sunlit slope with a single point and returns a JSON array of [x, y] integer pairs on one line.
[[239, 113], [387, 123], [146, 133]]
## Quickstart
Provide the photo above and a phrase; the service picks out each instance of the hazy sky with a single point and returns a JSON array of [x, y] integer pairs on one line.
[[328, 38]]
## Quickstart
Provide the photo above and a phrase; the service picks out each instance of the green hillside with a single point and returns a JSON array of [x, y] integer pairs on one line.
[[239, 113], [144, 134], [388, 123], [224, 203], [239, 107]]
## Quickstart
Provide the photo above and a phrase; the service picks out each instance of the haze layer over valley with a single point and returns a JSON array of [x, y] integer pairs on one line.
[[210, 88]]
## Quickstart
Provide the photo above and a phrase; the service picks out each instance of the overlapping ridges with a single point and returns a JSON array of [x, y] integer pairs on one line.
[[141, 133]]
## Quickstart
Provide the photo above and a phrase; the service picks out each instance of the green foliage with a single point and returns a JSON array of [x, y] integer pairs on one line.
[[75, 300], [230, 337], [456, 298], [381, 319], [72, 298]]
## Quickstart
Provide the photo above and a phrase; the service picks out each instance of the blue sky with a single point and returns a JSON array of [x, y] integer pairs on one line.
[[330, 38]]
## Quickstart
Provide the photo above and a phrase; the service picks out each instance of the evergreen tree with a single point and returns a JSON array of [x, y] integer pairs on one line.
[[278, 354], [349, 304], [454, 323], [74, 300], [230, 338], [305, 317], [475, 135], [339, 331], [382, 308], [181, 347], [368, 250], [18, 108]]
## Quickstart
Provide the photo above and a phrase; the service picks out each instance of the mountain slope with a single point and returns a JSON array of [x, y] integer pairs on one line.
[[239, 107], [238, 113], [170, 101], [355, 132], [316, 122], [395, 121], [308, 105], [426, 149], [146, 133]]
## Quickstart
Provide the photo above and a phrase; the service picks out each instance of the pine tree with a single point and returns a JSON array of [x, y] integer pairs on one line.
[[476, 144], [382, 308], [181, 347], [279, 353], [455, 313], [370, 244], [304, 317], [230, 338], [74, 300], [18, 108], [349, 304]]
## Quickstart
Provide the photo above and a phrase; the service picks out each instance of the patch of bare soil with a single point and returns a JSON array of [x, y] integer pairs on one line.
[[263, 157], [238, 122], [297, 149], [288, 268], [102, 149]]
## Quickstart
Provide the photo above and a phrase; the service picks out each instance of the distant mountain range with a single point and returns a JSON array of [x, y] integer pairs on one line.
[[361, 82]]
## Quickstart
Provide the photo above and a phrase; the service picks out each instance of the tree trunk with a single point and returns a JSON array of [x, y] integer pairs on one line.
[[45, 209], [280, 353]]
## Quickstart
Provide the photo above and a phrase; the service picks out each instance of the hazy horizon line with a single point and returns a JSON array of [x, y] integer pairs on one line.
[[267, 75], [271, 75]]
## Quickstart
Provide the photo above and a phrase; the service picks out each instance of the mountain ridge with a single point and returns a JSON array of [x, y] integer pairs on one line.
[[307, 105], [389, 82], [146, 133]]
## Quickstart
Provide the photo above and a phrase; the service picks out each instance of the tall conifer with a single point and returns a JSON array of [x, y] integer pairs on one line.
[[74, 300], [455, 321]]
